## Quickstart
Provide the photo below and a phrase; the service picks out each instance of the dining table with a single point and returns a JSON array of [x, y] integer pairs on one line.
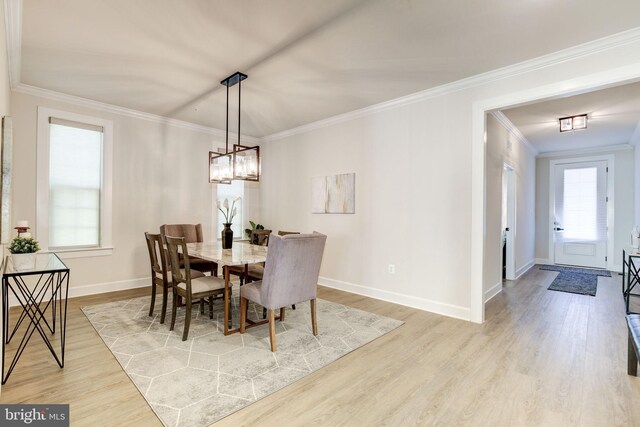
[[240, 254]]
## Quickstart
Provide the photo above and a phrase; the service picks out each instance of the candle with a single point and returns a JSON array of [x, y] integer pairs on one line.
[[23, 224]]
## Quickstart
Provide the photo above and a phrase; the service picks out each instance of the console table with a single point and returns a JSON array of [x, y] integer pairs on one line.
[[630, 273], [40, 284]]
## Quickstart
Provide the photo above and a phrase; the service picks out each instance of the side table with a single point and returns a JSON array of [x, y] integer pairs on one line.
[[46, 294], [630, 274]]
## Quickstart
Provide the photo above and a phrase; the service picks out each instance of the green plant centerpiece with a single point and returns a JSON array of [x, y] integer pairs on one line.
[[24, 245], [254, 226]]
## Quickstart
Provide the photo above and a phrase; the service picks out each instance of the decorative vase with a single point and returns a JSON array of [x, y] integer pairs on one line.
[[227, 236], [24, 262]]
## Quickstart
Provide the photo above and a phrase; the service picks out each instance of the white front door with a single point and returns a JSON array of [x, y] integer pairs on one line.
[[580, 214]]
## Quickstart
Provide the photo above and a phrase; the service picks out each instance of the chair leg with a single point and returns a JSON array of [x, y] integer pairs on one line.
[[153, 297], [187, 320], [174, 309], [201, 305], [210, 307], [243, 313], [230, 313], [314, 322], [272, 328], [241, 279], [632, 357], [282, 314], [293, 306], [165, 296], [264, 313]]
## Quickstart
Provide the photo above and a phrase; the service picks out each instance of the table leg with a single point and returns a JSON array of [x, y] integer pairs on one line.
[[225, 269]]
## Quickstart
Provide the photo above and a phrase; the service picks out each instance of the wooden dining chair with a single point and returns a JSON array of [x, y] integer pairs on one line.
[[192, 233], [160, 273], [187, 286], [290, 277]]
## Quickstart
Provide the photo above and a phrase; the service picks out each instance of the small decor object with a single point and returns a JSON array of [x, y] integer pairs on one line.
[[334, 194], [635, 237], [23, 251], [229, 213], [254, 226]]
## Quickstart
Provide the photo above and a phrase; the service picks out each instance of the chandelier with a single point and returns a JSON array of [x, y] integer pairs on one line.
[[243, 163]]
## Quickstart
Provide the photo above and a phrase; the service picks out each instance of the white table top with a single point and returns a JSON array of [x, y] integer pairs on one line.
[[241, 253]]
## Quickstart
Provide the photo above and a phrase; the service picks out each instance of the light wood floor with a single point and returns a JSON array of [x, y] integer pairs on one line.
[[542, 358]]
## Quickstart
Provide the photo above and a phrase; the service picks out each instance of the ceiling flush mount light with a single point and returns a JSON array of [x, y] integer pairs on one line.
[[572, 123], [243, 162]]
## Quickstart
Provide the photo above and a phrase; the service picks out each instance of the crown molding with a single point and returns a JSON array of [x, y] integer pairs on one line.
[[116, 109], [579, 151], [13, 28], [581, 50], [513, 130]]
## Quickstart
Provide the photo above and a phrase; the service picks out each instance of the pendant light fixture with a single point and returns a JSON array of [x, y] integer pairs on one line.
[[243, 162]]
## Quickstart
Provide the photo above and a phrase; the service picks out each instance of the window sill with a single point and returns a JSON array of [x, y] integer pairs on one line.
[[81, 253]]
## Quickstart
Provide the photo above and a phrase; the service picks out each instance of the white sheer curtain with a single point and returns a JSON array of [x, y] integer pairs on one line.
[[230, 192], [75, 182]]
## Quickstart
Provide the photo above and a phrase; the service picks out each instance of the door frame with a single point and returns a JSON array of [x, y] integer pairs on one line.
[[509, 175], [575, 85], [610, 159]]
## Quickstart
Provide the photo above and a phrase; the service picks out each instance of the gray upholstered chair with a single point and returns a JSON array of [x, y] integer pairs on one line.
[[258, 237], [160, 272], [188, 287], [192, 233], [290, 277]]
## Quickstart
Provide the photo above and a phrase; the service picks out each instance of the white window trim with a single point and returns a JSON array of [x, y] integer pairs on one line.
[[42, 183]]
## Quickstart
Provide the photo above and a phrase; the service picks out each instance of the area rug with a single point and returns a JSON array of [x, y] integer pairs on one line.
[[583, 281], [209, 376]]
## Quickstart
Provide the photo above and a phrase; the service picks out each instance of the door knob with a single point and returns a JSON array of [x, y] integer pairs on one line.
[[559, 229]]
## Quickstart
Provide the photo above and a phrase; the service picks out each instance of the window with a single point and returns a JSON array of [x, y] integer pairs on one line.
[[230, 192], [74, 182], [581, 205]]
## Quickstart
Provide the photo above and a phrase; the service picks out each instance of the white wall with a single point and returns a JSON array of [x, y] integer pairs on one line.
[[624, 202], [637, 186], [413, 165], [504, 147], [160, 175]]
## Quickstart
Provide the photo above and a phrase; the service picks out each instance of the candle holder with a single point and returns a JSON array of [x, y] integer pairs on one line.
[[22, 230]]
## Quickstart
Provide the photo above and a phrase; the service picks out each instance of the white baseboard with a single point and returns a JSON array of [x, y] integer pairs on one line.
[[445, 309], [544, 261], [525, 268], [99, 288], [493, 291]]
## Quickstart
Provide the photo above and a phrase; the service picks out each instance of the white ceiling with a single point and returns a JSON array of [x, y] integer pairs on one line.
[[613, 118], [306, 59]]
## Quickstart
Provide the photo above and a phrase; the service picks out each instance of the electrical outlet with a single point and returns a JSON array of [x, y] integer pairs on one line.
[[392, 269]]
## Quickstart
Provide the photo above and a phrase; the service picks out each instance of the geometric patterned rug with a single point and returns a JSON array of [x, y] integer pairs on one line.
[[209, 376]]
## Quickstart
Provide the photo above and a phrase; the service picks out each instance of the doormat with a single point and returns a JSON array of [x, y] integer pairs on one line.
[[582, 281]]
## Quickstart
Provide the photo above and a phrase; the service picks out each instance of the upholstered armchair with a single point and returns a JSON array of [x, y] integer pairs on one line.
[[192, 233], [290, 277]]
